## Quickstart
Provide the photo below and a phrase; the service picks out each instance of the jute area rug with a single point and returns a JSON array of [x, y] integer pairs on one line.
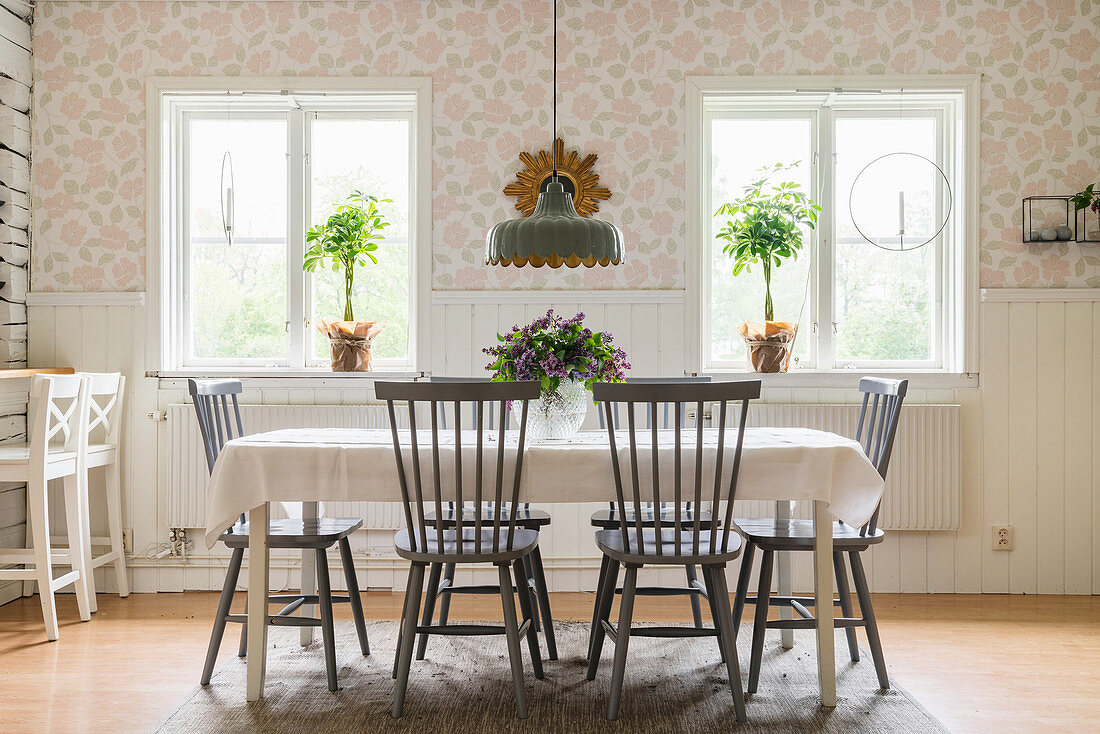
[[465, 686]]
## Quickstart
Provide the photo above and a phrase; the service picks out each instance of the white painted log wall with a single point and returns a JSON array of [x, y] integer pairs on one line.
[[1029, 435], [15, 79]]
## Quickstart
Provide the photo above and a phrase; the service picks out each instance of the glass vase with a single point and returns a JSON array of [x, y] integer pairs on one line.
[[557, 415]]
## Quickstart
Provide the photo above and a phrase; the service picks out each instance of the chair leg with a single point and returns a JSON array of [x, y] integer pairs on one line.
[[28, 585], [606, 597], [845, 595], [622, 641], [544, 604], [225, 602], [79, 555], [868, 614], [511, 629], [114, 522], [528, 577], [356, 601], [328, 633], [43, 565], [78, 485], [727, 640], [445, 599], [742, 587], [715, 610], [696, 613], [242, 646], [401, 625], [429, 608], [605, 563], [529, 610], [760, 623], [408, 636]]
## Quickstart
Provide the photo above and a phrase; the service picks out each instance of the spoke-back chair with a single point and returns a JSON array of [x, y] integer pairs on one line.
[[489, 536], [633, 545]]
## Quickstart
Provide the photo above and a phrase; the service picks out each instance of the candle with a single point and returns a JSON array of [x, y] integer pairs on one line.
[[229, 208], [901, 213]]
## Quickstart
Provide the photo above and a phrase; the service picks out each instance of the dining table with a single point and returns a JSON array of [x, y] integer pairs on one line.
[[313, 465]]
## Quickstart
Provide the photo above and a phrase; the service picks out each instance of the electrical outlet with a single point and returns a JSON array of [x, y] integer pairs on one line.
[[127, 541], [1004, 538]]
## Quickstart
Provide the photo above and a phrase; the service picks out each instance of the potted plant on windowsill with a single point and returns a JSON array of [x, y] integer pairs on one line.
[[347, 240], [566, 358], [764, 227]]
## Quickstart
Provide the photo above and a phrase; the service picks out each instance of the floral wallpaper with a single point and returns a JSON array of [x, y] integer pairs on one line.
[[623, 64]]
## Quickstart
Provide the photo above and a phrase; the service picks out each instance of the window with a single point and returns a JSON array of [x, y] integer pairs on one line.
[[291, 156], [858, 306]]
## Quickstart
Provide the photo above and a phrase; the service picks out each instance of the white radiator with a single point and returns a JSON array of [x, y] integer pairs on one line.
[[923, 485], [188, 475]]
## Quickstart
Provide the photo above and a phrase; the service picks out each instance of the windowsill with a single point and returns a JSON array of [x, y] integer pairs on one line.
[[918, 380], [272, 377]]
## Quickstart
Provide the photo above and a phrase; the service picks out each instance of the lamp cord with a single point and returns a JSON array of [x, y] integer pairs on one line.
[[554, 137]]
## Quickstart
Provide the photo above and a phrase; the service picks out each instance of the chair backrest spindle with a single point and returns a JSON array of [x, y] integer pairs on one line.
[[451, 396], [648, 395], [877, 427]]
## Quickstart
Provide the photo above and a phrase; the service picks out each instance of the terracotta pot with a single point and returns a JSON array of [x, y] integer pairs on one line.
[[769, 344], [350, 343]]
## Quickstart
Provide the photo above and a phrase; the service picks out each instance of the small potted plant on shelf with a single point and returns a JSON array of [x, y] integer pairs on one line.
[[764, 227], [567, 358], [1088, 199], [347, 240]]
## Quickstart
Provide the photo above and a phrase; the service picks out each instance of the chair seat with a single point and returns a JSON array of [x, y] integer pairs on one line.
[[20, 453], [526, 517], [445, 549], [611, 543], [309, 533], [799, 534], [609, 518]]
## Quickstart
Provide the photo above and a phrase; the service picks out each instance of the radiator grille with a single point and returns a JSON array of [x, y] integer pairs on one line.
[[188, 476], [923, 486]]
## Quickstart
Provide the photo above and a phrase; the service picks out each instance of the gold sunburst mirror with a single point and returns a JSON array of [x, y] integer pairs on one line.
[[574, 173]]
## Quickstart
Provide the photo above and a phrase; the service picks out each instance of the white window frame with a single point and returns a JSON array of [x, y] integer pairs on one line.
[[959, 302], [167, 100]]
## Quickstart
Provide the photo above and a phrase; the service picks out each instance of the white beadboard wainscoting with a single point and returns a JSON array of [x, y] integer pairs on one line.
[[1028, 434]]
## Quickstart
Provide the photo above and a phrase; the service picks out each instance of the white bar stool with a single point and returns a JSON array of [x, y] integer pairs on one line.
[[103, 419], [58, 404]]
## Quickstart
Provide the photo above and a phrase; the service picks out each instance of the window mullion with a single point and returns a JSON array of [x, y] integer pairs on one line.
[[295, 251], [824, 316]]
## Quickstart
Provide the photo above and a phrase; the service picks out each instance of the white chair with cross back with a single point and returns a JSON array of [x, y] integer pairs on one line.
[[103, 418], [58, 403]]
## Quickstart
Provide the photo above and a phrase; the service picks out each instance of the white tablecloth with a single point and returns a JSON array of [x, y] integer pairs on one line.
[[336, 464]]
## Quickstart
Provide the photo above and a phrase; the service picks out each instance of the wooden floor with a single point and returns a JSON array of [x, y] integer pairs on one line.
[[978, 663]]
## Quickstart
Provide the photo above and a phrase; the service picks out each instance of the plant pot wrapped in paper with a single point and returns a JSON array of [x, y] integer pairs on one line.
[[350, 342], [769, 344]]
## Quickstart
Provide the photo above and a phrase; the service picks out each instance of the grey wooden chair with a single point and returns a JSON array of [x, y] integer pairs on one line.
[[489, 538], [219, 415], [441, 577], [633, 545], [878, 424], [607, 518]]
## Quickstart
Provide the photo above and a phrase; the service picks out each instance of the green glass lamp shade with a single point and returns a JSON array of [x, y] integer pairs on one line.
[[554, 235]]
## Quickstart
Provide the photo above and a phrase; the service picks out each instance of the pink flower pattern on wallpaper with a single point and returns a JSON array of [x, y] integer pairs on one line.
[[622, 69]]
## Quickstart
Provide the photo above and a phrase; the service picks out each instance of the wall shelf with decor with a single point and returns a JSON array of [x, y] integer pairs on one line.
[[1047, 231]]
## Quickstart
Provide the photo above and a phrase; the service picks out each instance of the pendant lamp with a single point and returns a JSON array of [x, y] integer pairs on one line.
[[555, 234]]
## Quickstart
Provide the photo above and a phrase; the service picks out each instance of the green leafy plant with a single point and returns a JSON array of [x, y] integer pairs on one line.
[[348, 238], [1087, 198], [765, 226]]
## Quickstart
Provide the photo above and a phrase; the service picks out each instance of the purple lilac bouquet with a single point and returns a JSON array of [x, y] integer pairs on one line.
[[551, 349]]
